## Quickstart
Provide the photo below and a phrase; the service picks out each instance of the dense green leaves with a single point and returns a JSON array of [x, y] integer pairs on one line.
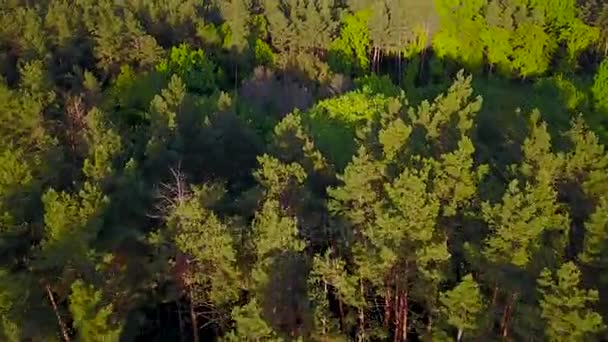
[[303, 170], [566, 307], [463, 305], [600, 87], [92, 318]]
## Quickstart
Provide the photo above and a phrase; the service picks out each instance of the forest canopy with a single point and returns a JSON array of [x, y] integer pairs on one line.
[[303, 170]]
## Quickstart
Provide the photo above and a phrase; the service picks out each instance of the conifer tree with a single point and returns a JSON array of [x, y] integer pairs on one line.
[[278, 13], [586, 163], [104, 146], [595, 250], [237, 15], [566, 306], [206, 260], [278, 248], [92, 319], [600, 87], [165, 110], [72, 222], [463, 305]]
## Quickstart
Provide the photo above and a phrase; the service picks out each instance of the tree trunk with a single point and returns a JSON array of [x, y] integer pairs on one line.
[[341, 308], [236, 80], [397, 312], [506, 316], [399, 67], [459, 337], [494, 294], [387, 306], [324, 321], [361, 333], [181, 321], [374, 59], [404, 313], [194, 319], [62, 326]]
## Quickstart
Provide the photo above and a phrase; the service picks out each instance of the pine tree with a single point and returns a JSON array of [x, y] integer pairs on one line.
[[463, 305], [236, 14], [455, 104], [16, 182], [276, 275], [278, 14], [600, 87], [104, 146], [566, 306], [250, 326], [92, 318], [596, 235], [329, 277], [292, 143], [315, 24], [353, 204], [192, 66], [207, 244], [519, 222], [165, 110], [205, 257], [586, 163]]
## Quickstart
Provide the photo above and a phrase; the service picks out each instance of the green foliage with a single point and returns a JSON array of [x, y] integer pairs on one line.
[[164, 111], [463, 305], [533, 53], [595, 250], [600, 87], [293, 202], [518, 223], [71, 222], [407, 197], [297, 26], [263, 53], [15, 179], [250, 325], [518, 37], [461, 21], [587, 161], [334, 122], [207, 242], [119, 38], [192, 66], [349, 52], [92, 318], [566, 307], [104, 145], [236, 14]]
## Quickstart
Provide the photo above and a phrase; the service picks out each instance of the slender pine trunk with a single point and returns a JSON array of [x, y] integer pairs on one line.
[[181, 321], [506, 317], [397, 312], [193, 318], [400, 76], [324, 321], [387, 305], [404, 313], [62, 326], [361, 332]]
